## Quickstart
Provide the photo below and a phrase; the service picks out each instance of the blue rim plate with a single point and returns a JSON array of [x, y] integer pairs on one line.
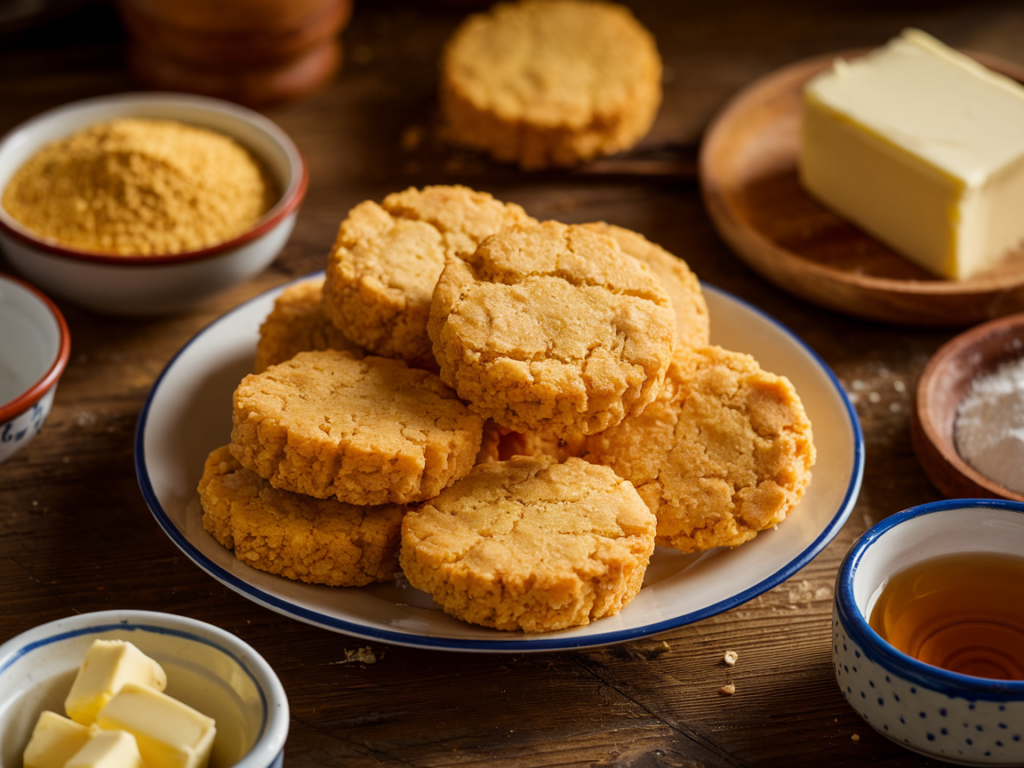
[[188, 414], [973, 513]]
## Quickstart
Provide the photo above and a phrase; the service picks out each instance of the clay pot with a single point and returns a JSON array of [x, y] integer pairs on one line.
[[255, 52]]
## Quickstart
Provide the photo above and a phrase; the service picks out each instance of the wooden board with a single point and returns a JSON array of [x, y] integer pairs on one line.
[[748, 172]]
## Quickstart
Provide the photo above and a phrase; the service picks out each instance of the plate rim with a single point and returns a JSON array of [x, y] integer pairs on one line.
[[530, 643]]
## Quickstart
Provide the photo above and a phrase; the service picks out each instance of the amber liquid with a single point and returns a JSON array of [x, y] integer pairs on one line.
[[962, 612]]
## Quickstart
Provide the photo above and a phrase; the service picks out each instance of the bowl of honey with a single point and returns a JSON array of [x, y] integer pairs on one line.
[[928, 630]]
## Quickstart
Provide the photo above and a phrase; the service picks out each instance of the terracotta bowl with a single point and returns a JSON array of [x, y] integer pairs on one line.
[[943, 385]]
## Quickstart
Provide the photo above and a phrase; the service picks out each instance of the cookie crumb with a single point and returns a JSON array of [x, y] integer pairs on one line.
[[730, 658], [855, 737], [666, 646], [728, 689]]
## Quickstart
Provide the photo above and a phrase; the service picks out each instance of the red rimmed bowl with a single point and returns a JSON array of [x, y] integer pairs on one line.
[[34, 348], [153, 285]]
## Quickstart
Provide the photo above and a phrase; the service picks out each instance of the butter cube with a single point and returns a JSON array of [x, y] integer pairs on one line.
[[923, 148], [107, 749], [54, 740], [108, 665], [170, 734]]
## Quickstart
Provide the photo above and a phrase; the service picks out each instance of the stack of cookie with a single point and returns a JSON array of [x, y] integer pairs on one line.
[[511, 413]]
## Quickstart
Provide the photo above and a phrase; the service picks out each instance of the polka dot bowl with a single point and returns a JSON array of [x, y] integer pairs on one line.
[[945, 715]]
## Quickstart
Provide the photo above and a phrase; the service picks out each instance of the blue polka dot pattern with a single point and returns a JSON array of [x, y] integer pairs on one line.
[[907, 713]]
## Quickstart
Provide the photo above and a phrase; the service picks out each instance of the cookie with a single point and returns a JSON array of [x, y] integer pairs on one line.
[[550, 83], [530, 544], [386, 260], [297, 323], [319, 541], [552, 328], [369, 431], [693, 324], [723, 453]]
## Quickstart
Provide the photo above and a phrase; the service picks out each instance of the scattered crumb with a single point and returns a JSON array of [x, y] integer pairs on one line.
[[855, 737], [728, 689], [364, 655], [730, 658], [666, 646]]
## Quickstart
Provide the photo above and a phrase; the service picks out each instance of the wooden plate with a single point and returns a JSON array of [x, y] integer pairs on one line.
[[748, 172], [943, 384]]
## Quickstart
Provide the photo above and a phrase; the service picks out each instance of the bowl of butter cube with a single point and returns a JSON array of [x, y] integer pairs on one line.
[[138, 689]]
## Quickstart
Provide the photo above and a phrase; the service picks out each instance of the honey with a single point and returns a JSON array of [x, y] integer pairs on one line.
[[962, 612]]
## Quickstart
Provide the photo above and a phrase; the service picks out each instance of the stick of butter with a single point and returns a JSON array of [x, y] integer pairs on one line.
[[54, 740], [923, 148], [170, 734], [108, 665], [107, 749]]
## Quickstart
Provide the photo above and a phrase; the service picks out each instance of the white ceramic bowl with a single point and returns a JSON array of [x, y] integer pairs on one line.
[[34, 349], [945, 715], [153, 285], [207, 668]]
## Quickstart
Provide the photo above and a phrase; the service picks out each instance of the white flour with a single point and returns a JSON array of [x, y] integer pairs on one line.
[[989, 426]]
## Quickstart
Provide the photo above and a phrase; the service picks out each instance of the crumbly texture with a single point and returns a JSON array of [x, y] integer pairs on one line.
[[531, 545], [386, 260], [723, 453], [319, 541], [297, 323], [547, 83], [367, 431], [501, 443], [552, 328], [693, 323], [137, 187]]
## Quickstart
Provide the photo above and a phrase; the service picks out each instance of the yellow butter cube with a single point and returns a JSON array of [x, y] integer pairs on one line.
[[170, 734], [107, 749], [54, 740], [108, 665]]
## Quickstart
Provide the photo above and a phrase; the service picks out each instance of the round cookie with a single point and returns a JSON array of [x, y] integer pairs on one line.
[[386, 260], [296, 324], [319, 541], [724, 452], [530, 544], [367, 431], [693, 324], [547, 83], [552, 328]]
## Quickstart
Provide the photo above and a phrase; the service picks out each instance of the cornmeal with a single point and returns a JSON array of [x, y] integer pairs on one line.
[[319, 541], [387, 258], [723, 453], [369, 431], [552, 328], [546, 83], [531, 545]]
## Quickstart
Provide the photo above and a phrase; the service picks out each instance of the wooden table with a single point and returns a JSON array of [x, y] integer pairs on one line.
[[76, 534]]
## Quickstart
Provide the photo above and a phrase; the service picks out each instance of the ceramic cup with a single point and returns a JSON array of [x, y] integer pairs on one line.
[[945, 715], [34, 347], [207, 668]]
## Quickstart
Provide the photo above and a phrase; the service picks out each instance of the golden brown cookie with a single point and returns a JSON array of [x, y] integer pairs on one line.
[[296, 324], [530, 544], [369, 431], [693, 324], [319, 541], [386, 260], [552, 328], [724, 452], [546, 83]]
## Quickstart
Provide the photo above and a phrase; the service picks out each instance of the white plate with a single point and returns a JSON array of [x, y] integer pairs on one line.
[[188, 414]]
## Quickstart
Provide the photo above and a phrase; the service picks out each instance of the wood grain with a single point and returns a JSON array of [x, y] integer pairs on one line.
[[748, 168]]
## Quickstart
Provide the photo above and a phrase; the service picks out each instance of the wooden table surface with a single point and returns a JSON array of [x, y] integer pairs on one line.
[[77, 536]]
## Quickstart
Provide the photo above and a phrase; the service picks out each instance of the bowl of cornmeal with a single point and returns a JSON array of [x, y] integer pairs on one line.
[[140, 689], [146, 203]]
